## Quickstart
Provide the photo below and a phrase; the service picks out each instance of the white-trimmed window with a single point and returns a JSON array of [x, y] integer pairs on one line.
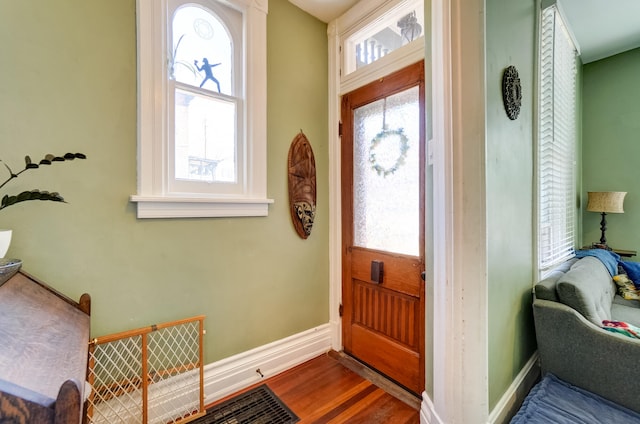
[[556, 140], [201, 108]]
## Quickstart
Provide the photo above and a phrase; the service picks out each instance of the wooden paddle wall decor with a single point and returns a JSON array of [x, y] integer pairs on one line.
[[302, 185]]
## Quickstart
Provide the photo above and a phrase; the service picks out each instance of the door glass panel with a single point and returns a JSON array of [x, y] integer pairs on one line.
[[386, 174]]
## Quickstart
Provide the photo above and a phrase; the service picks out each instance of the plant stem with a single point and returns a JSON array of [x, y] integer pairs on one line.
[[12, 175]]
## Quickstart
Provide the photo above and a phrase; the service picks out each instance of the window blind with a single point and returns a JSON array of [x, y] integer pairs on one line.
[[556, 142]]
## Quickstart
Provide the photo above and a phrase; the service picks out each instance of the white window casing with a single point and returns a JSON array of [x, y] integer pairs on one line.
[[158, 195]]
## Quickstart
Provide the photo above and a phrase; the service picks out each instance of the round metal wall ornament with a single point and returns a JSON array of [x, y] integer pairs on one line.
[[302, 185], [511, 92]]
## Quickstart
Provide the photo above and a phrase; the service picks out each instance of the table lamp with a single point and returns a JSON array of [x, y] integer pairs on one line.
[[605, 202]]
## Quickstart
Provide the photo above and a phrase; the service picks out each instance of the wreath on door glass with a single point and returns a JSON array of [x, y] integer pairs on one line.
[[379, 138], [383, 135]]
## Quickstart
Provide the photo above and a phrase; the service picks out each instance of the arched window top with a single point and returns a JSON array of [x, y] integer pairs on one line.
[[202, 50]]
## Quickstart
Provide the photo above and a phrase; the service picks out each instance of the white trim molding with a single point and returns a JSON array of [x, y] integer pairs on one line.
[[397, 59], [510, 402], [335, 199], [198, 207], [506, 407], [460, 325], [237, 372], [428, 413]]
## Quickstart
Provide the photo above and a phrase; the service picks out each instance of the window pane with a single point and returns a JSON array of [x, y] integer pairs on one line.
[[205, 142], [386, 168], [201, 51], [397, 28]]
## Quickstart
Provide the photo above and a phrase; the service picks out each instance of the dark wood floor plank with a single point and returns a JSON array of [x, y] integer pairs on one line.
[[340, 403], [379, 380], [385, 410], [323, 391], [307, 388]]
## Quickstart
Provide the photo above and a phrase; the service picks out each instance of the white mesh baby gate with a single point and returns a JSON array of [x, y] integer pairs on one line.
[[149, 375]]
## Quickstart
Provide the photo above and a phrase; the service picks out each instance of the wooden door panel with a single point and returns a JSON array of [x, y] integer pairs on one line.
[[383, 323], [386, 312], [395, 360], [401, 273]]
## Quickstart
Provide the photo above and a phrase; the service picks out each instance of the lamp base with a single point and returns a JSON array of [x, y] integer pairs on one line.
[[603, 228], [600, 246]]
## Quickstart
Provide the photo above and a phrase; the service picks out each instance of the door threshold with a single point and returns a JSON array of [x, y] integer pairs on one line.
[[389, 386]]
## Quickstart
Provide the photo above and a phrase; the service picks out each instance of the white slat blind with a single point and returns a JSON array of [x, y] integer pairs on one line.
[[557, 142]]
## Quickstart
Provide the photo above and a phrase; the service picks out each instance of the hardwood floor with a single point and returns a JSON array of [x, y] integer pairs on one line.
[[323, 391]]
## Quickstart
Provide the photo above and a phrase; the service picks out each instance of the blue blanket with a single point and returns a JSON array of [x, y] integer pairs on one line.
[[555, 401], [608, 258], [611, 260]]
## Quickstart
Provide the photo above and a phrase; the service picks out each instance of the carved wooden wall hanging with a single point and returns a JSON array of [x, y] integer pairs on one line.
[[302, 185]]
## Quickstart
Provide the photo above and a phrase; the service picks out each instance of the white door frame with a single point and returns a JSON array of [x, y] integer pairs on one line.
[[460, 326], [457, 312], [339, 85]]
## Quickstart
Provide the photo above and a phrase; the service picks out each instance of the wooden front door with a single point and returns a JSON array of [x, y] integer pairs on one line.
[[383, 225]]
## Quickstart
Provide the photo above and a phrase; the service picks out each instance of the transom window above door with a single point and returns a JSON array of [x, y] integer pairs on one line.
[[398, 26]]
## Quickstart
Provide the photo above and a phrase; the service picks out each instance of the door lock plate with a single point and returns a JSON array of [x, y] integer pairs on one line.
[[377, 271]]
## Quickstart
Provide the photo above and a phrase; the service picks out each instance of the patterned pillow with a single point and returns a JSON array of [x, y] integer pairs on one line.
[[621, 327], [626, 288]]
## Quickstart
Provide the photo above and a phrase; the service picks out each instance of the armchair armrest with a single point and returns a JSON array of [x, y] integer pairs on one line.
[[585, 355]]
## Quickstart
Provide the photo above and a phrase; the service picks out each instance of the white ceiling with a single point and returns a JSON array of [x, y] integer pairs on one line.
[[602, 27], [325, 10]]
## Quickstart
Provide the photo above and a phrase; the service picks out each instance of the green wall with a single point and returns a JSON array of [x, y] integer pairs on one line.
[[510, 40], [68, 83], [611, 144]]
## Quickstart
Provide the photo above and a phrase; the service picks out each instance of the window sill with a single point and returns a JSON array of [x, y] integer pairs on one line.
[[199, 207]]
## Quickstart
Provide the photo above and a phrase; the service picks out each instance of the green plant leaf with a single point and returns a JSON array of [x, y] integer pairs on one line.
[[35, 194], [29, 164], [26, 196]]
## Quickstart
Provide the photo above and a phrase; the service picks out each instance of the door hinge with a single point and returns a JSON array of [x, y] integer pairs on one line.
[[340, 129], [340, 309]]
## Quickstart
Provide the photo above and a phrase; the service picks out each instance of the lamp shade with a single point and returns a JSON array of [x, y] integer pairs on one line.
[[606, 201]]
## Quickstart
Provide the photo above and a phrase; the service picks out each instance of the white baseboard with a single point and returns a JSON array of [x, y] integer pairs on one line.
[[428, 413], [508, 404], [237, 372]]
